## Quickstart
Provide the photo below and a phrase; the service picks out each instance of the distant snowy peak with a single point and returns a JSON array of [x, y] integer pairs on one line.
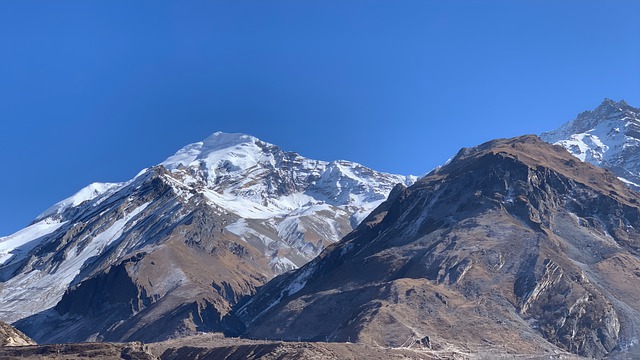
[[607, 112], [608, 136], [288, 202], [224, 156]]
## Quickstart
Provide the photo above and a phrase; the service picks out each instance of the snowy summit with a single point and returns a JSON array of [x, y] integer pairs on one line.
[[608, 136]]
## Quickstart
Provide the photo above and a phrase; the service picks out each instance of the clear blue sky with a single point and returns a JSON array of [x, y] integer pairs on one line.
[[97, 90]]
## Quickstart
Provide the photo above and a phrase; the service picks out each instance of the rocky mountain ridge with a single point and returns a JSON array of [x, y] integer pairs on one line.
[[608, 137], [514, 244]]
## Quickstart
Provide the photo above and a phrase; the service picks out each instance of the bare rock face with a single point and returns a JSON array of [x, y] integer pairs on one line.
[[10, 336], [513, 245]]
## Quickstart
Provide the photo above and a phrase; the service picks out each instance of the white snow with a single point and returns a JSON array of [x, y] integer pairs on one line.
[[245, 232], [628, 182], [365, 210], [589, 147], [300, 281], [220, 152], [37, 290], [242, 175], [26, 239], [238, 167], [239, 227], [282, 264]]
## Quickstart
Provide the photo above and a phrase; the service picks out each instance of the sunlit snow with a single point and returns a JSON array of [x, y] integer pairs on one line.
[[37, 290], [26, 239]]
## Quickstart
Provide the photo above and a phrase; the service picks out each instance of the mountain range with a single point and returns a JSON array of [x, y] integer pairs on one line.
[[170, 252], [516, 246]]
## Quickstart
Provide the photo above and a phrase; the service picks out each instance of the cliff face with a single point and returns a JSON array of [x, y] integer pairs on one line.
[[513, 244]]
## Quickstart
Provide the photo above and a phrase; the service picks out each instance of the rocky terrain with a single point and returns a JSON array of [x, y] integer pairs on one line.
[[107, 351], [10, 336], [513, 245], [171, 251], [216, 346]]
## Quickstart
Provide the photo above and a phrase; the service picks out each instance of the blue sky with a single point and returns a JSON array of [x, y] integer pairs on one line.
[[97, 90]]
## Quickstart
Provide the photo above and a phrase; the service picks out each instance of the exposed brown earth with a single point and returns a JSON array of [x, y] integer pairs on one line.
[[514, 245]]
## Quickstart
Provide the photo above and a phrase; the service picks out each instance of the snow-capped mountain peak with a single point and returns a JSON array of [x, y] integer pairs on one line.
[[607, 111], [220, 140], [249, 168], [608, 136], [212, 148], [224, 158], [259, 181], [206, 226]]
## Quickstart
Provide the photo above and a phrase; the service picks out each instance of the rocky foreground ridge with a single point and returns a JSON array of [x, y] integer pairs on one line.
[[216, 346]]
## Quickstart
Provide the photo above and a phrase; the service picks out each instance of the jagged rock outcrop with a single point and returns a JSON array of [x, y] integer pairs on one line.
[[514, 244]]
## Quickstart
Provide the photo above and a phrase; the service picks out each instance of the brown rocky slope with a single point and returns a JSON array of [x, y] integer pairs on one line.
[[10, 336], [514, 245]]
